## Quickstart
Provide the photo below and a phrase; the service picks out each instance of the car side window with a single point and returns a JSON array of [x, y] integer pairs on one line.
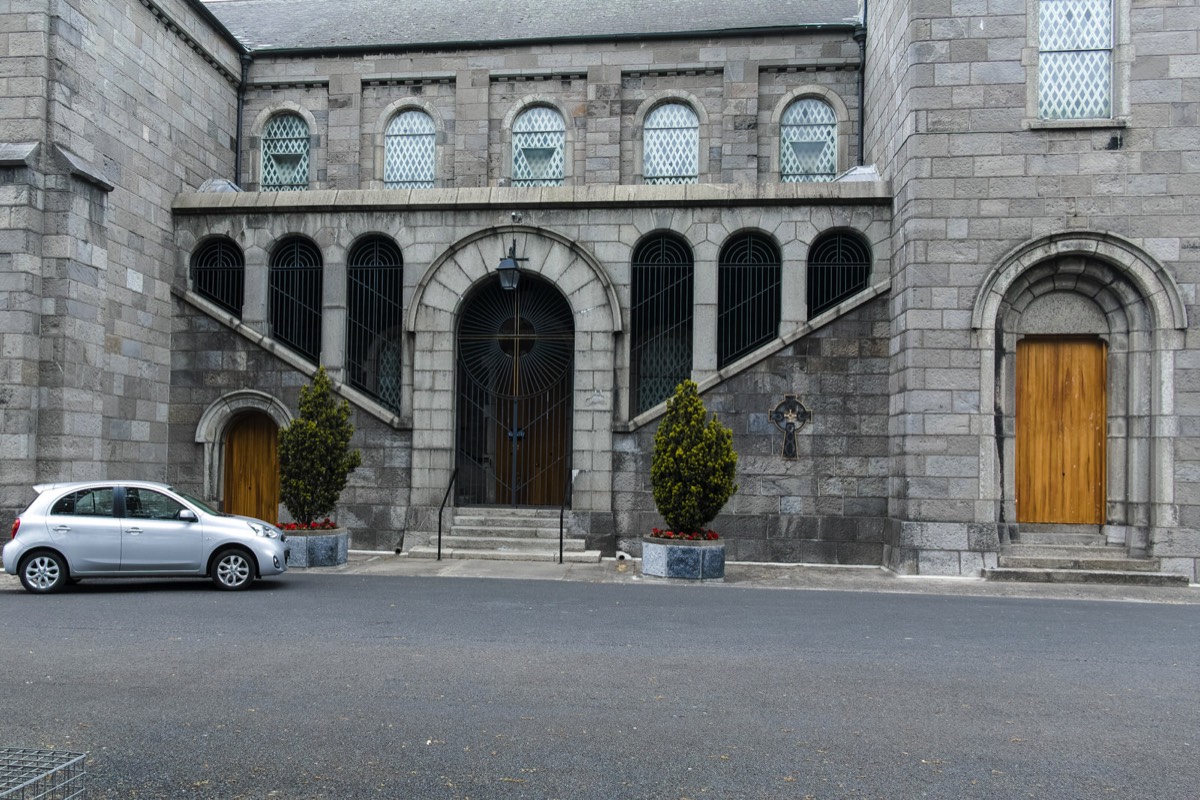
[[148, 504], [85, 503]]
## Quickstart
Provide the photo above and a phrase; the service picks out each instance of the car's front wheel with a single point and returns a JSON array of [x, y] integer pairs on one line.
[[43, 572], [232, 569]]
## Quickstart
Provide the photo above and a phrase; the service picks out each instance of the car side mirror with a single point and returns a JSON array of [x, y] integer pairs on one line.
[[187, 515]]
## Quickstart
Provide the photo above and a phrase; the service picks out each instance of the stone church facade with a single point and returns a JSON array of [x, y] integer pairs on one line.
[[934, 263]]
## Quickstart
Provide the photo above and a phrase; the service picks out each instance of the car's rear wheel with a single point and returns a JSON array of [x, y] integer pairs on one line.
[[43, 572], [232, 569]]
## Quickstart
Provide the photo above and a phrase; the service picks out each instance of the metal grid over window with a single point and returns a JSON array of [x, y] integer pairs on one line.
[[538, 137], [219, 274], [661, 316], [295, 292], [839, 266], [671, 145], [374, 285], [285, 154], [808, 142], [42, 774], [1075, 41], [408, 151], [748, 297]]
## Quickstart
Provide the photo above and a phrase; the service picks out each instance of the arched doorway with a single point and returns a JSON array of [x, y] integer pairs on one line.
[[252, 466], [514, 375]]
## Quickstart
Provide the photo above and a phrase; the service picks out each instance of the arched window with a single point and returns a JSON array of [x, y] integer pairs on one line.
[[839, 266], [661, 319], [374, 285], [285, 154], [1075, 59], [408, 151], [671, 145], [538, 137], [748, 274], [294, 280], [808, 142], [219, 273]]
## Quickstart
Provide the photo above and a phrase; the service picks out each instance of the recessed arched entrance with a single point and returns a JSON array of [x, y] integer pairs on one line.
[[514, 377], [252, 466]]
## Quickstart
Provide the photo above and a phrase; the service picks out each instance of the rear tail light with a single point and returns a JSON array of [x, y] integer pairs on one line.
[[16, 524]]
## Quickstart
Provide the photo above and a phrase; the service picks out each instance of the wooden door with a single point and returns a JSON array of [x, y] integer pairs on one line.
[[1061, 430], [252, 467]]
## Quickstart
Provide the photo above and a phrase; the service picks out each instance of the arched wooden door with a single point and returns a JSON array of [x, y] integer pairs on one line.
[[1061, 430], [252, 467]]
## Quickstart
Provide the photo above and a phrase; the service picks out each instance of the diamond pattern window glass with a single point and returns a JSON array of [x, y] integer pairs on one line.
[[285, 154], [839, 267], [374, 285], [1075, 41], [748, 297], [661, 316], [219, 273], [538, 136], [808, 142], [408, 151], [294, 288], [671, 145]]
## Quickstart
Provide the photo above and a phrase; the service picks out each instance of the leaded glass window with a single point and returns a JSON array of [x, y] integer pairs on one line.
[[294, 278], [285, 154], [374, 285], [219, 274], [409, 150], [671, 145], [808, 142], [1075, 41], [748, 274], [538, 137], [661, 315], [839, 267]]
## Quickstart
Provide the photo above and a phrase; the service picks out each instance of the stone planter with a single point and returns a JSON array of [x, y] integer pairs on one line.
[[326, 548], [680, 558]]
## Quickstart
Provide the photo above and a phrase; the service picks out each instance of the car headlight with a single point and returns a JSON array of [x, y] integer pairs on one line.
[[263, 530]]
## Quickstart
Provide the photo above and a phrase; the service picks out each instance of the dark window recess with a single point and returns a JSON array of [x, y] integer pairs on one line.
[[219, 274], [839, 266], [748, 303], [661, 317], [295, 296], [374, 327]]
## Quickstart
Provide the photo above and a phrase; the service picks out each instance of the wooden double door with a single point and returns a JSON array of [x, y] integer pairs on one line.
[[1061, 430], [252, 467]]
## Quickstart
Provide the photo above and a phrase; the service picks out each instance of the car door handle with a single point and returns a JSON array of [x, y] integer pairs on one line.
[[62, 529], [133, 531]]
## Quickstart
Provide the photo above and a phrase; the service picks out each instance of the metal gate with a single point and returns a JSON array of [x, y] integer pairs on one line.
[[515, 356]]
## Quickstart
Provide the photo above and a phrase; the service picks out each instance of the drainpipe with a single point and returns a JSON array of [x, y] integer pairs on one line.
[[241, 107], [860, 36]]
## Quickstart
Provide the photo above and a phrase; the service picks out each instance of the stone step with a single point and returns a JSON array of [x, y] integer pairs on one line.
[[514, 543], [476, 516], [1041, 575], [508, 529], [1080, 563], [545, 554], [1060, 537], [1023, 550]]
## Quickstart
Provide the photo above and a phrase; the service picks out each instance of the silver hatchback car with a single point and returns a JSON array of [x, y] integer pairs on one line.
[[122, 529]]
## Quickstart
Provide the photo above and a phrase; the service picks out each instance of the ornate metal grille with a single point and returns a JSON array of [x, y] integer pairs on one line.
[[409, 148], [294, 280], [808, 142], [538, 136], [671, 145], [515, 357], [839, 266], [285, 154], [374, 326], [661, 319], [1075, 39], [219, 274], [748, 299]]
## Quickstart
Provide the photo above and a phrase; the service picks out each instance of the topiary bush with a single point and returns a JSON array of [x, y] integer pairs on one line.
[[693, 466], [315, 458]]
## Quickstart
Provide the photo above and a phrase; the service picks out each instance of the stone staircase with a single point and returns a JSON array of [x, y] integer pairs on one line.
[[502, 533], [1075, 554]]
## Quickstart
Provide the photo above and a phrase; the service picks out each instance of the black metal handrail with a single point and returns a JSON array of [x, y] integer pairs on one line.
[[442, 507], [562, 512]]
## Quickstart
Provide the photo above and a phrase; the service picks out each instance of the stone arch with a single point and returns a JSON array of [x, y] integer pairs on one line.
[[214, 422]]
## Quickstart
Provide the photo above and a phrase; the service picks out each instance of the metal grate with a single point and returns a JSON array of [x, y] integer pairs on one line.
[[748, 297], [375, 285], [219, 274], [538, 136], [295, 290], [671, 145], [1075, 39], [808, 142], [408, 151], [41, 774], [285, 154], [661, 315], [839, 266]]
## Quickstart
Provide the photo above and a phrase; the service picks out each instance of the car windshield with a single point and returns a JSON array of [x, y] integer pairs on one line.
[[205, 507]]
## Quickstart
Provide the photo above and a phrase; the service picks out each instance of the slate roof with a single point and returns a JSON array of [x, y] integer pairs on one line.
[[321, 24]]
